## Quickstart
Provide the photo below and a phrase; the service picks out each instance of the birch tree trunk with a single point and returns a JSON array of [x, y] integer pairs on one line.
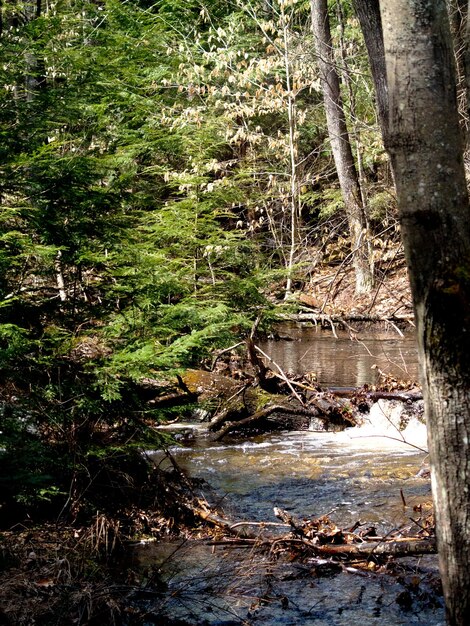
[[341, 148], [427, 152]]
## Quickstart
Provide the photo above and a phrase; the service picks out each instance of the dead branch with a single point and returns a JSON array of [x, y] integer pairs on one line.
[[221, 417], [265, 412], [281, 373], [221, 352], [237, 529], [351, 392], [260, 368], [327, 320], [352, 548], [171, 399], [394, 547]]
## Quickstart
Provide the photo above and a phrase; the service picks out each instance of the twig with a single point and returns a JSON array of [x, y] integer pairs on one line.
[[402, 498], [281, 372], [240, 343], [259, 524], [396, 328], [401, 440]]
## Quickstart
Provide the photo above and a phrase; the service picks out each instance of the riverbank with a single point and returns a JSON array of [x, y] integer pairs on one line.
[[331, 289], [203, 578]]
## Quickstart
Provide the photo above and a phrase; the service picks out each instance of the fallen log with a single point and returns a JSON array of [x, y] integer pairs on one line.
[[353, 548], [172, 399], [351, 392], [394, 547], [365, 550], [325, 539], [233, 406], [265, 413], [323, 319], [239, 530]]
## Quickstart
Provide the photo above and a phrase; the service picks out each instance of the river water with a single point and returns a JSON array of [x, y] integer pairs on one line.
[[366, 474], [339, 361]]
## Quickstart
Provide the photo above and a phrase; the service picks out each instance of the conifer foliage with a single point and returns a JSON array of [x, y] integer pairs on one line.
[[159, 168]]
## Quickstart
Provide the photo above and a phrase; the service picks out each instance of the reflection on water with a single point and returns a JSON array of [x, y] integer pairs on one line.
[[341, 361]]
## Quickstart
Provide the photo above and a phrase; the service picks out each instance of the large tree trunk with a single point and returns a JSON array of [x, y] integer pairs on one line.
[[426, 149], [341, 148]]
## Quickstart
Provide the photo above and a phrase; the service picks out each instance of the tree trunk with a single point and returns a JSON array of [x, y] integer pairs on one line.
[[426, 150], [368, 14], [294, 193], [458, 25], [341, 148], [60, 277]]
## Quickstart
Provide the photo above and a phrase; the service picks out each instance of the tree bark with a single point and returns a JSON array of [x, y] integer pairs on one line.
[[341, 148], [458, 26], [294, 194], [426, 150], [368, 14]]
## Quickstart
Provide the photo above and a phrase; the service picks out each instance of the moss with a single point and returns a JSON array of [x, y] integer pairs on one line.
[[256, 399]]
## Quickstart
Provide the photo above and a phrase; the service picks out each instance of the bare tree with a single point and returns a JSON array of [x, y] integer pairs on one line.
[[341, 148], [426, 147]]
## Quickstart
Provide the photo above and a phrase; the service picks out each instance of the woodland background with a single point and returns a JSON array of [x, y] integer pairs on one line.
[[166, 179]]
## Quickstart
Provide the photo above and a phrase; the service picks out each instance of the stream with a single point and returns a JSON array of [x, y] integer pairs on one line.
[[365, 474], [338, 361]]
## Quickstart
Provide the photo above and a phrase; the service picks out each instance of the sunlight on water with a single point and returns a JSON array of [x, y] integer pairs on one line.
[[359, 475], [381, 429], [357, 472], [366, 474]]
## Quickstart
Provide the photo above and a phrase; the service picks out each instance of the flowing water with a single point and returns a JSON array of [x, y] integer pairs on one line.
[[366, 474]]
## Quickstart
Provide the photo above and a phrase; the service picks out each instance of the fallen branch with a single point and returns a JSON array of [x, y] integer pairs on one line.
[[327, 320], [394, 547], [221, 352], [352, 548], [265, 412], [172, 399], [281, 373], [220, 417], [236, 529], [351, 392]]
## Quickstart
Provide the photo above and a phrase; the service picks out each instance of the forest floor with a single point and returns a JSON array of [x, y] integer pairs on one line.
[[332, 291]]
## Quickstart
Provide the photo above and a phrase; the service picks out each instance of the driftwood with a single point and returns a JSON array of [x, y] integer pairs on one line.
[[325, 539], [335, 406], [316, 405], [229, 408], [391, 548], [265, 413], [373, 396], [172, 399], [319, 537], [281, 374], [239, 530], [248, 407], [325, 320], [269, 399]]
